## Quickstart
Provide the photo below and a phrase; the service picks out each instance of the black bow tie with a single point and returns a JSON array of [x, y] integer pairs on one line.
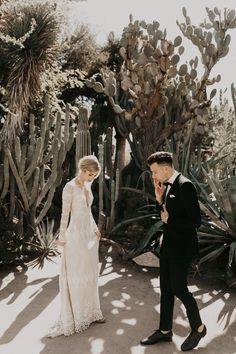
[[167, 184]]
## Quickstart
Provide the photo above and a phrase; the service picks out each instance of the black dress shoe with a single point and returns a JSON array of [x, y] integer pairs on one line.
[[156, 337], [193, 339]]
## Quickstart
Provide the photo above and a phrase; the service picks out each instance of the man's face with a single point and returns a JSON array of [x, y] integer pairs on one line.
[[159, 172]]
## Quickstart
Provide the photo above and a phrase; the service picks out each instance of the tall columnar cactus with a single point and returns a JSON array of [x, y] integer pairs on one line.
[[233, 94], [101, 178], [108, 168], [33, 169], [109, 153], [114, 196], [83, 138]]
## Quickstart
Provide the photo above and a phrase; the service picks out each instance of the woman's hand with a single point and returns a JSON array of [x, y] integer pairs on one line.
[[164, 215], [159, 190], [60, 242], [98, 234]]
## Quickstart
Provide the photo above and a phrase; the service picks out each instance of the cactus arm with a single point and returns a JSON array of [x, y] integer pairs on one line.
[[20, 182], [6, 174]]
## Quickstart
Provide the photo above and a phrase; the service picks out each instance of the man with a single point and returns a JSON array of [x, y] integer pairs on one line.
[[180, 213]]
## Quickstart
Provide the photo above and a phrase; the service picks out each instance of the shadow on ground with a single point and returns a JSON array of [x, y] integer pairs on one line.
[[130, 298]]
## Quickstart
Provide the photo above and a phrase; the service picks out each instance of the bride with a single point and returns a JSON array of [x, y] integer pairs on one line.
[[78, 281]]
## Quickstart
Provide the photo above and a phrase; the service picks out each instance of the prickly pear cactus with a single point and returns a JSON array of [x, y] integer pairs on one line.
[[154, 96]]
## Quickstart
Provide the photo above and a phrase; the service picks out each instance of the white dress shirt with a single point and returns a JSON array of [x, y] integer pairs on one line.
[[171, 180]]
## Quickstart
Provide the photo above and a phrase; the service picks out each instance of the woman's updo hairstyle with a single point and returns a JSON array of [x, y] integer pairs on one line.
[[89, 163]]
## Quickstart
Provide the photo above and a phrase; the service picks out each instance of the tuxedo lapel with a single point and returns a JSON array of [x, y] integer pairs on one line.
[[164, 196], [173, 187]]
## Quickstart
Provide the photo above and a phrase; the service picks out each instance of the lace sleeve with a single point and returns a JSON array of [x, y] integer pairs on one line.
[[66, 208], [94, 225]]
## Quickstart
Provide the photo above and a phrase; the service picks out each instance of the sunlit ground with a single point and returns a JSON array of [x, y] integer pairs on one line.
[[130, 296]]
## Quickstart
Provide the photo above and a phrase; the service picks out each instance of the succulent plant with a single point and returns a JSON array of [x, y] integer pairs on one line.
[[109, 169], [166, 94], [33, 171], [83, 138]]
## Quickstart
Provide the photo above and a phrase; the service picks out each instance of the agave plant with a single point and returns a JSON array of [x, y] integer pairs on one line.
[[44, 243], [217, 234], [147, 213]]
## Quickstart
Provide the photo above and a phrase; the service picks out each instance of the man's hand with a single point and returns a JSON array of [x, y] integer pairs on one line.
[[164, 215], [159, 190], [98, 234]]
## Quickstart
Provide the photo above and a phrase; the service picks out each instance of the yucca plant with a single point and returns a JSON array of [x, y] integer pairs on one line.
[[44, 243], [33, 32], [217, 234]]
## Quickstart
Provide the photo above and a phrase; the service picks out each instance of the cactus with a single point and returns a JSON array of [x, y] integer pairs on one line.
[[159, 95], [24, 166], [12, 197], [83, 138], [101, 177], [233, 95], [144, 77], [6, 178], [107, 166]]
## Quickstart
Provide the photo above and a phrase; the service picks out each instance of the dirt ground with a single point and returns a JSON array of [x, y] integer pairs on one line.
[[130, 297]]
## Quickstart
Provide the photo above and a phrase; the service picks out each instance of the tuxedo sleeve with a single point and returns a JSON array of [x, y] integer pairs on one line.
[[191, 209], [159, 208]]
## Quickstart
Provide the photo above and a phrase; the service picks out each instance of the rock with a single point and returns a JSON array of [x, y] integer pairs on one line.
[[147, 259]]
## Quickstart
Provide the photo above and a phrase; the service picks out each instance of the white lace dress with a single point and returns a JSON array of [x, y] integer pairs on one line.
[[78, 282]]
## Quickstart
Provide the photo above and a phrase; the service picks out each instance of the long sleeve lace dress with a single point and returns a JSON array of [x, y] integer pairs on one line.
[[78, 281]]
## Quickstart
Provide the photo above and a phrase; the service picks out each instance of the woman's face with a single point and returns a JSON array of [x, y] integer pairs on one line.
[[89, 176]]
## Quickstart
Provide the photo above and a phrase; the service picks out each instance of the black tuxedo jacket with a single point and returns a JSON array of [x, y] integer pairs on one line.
[[180, 232]]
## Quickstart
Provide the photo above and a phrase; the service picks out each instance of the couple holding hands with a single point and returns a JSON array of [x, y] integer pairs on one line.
[[179, 210]]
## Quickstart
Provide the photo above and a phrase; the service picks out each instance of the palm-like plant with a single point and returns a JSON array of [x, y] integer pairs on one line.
[[33, 31]]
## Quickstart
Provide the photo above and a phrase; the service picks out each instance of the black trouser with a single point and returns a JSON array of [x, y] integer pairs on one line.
[[173, 282]]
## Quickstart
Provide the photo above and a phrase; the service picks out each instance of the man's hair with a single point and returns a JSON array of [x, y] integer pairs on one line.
[[161, 157]]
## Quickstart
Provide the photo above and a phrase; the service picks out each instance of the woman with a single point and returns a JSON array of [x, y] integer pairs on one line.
[[78, 282]]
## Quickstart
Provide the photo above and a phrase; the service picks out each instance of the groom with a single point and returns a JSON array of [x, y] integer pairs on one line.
[[180, 213]]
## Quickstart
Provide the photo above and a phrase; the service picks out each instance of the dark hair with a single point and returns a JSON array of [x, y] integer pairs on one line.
[[161, 157]]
